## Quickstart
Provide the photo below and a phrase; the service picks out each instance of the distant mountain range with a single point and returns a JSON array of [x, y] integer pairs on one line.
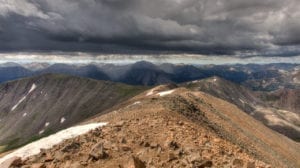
[[267, 77]]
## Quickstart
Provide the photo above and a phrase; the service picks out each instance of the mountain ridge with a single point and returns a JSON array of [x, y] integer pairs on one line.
[[275, 114], [198, 130], [266, 77], [41, 105]]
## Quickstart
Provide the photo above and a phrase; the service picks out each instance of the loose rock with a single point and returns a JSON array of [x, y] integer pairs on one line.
[[17, 162], [98, 152]]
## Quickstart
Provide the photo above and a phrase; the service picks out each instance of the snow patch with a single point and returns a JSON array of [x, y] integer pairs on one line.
[[150, 93], [62, 120], [48, 142], [32, 88], [164, 93], [42, 131], [23, 98], [135, 103], [193, 82], [47, 124], [24, 114], [19, 102]]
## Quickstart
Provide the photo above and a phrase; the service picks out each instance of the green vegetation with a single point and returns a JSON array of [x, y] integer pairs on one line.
[[13, 144], [2, 148], [191, 85], [129, 91]]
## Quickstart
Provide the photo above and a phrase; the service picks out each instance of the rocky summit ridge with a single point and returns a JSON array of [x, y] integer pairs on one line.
[[171, 127]]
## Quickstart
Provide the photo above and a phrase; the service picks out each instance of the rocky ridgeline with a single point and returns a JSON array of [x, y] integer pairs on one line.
[[151, 141], [170, 129]]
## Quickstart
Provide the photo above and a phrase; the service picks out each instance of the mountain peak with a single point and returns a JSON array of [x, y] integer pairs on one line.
[[144, 64]]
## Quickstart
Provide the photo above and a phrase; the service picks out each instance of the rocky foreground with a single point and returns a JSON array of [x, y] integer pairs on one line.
[[169, 129]]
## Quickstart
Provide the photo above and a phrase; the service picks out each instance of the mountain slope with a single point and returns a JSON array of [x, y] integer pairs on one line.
[[284, 98], [145, 73], [173, 128], [13, 72], [38, 106], [182, 73], [273, 114], [88, 71], [236, 94]]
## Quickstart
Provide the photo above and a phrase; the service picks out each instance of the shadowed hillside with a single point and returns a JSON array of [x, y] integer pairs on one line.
[[34, 107]]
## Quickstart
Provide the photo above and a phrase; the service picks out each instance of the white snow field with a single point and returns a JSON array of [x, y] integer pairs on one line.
[[164, 93], [48, 142]]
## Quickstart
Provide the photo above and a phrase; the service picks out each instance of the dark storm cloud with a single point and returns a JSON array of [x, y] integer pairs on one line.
[[253, 27]]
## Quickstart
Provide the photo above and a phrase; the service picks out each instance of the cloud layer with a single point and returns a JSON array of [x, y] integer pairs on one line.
[[237, 27], [87, 58]]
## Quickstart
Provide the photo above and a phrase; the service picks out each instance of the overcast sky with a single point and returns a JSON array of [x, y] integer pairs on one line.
[[210, 27]]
